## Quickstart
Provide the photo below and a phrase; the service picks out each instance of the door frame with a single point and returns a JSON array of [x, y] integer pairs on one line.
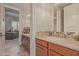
[[19, 10]]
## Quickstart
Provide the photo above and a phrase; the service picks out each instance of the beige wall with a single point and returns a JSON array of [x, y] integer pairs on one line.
[[25, 21], [44, 17], [71, 18], [25, 10], [0, 18]]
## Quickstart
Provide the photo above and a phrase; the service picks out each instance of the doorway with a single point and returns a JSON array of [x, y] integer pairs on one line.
[[11, 31]]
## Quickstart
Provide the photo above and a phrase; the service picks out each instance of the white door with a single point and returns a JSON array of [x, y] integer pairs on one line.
[[2, 30]]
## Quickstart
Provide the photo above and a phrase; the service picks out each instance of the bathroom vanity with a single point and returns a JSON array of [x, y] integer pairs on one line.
[[26, 42], [53, 46]]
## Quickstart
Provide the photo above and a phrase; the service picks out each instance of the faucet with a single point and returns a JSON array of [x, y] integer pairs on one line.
[[65, 35], [50, 33]]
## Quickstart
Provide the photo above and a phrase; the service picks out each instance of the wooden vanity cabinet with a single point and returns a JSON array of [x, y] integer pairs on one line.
[[57, 50], [53, 53], [41, 48], [26, 43], [44, 48]]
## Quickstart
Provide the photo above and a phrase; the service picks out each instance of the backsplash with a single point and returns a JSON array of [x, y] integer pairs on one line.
[[68, 35]]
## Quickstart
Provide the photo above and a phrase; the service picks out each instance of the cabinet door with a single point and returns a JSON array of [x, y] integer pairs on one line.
[[28, 45], [41, 42], [62, 50], [41, 51], [51, 53], [23, 40]]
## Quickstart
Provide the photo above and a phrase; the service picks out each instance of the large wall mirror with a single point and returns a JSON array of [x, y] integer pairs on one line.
[[71, 18]]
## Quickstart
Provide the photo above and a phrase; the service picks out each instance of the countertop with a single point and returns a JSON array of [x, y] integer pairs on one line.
[[72, 44]]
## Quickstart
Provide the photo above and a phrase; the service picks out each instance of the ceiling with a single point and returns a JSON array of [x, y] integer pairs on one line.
[[61, 4], [20, 5], [27, 5]]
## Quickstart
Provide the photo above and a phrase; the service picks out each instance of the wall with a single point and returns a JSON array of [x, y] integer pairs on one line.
[[25, 19], [25, 11], [71, 18], [0, 18], [44, 17]]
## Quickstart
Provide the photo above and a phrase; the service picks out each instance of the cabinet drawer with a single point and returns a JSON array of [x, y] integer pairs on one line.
[[27, 38], [53, 53], [41, 42], [62, 50], [41, 51]]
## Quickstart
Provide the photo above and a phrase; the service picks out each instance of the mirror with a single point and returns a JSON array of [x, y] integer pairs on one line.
[[71, 18]]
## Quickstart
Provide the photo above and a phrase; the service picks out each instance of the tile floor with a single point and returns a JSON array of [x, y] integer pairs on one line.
[[13, 49]]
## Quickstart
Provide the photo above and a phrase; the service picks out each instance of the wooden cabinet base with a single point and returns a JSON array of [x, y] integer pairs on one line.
[[45, 48], [41, 48], [26, 43], [52, 53], [62, 50], [41, 51]]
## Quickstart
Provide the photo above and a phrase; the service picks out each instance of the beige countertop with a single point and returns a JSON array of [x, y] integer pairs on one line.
[[72, 44]]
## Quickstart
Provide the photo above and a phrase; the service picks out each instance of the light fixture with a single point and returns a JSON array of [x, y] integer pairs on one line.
[[28, 15]]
